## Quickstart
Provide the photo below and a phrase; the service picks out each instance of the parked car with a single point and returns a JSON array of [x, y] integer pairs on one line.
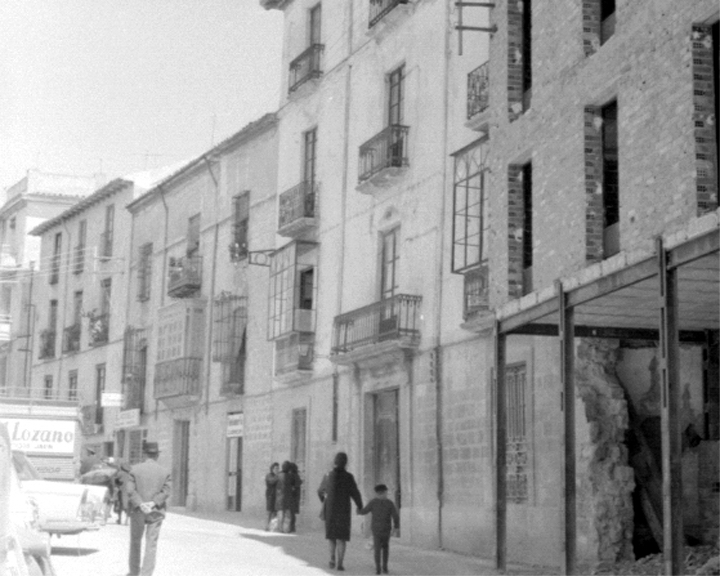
[[63, 507]]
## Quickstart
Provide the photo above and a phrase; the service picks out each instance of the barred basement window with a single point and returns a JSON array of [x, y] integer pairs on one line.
[[517, 441]]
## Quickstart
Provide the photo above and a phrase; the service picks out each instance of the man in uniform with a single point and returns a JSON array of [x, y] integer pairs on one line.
[[148, 488]]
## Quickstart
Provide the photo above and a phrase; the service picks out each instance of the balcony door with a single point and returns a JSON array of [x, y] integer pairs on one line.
[[388, 320]]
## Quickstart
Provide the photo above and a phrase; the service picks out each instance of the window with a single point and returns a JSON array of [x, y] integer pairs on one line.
[[99, 389], [106, 292], [73, 385], [526, 53], [241, 220], [81, 247], [234, 371], [314, 25], [396, 96], [53, 315], [607, 20], [527, 238], [389, 260], [107, 244], [145, 272], [310, 143], [55, 266], [48, 388], [193, 235], [470, 224], [517, 441], [307, 288], [610, 187], [77, 307]]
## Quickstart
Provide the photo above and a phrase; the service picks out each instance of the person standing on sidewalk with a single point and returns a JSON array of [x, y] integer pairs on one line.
[[295, 496], [271, 479], [384, 516], [283, 498], [148, 488], [337, 489]]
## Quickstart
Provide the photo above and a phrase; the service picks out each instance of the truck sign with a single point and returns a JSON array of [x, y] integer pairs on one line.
[[56, 437]]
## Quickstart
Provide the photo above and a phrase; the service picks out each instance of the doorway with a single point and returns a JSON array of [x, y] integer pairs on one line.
[[234, 474], [386, 443], [181, 453]]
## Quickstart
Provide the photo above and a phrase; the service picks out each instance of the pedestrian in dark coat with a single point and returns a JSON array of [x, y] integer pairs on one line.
[[295, 502], [120, 480], [283, 497], [270, 490], [336, 490]]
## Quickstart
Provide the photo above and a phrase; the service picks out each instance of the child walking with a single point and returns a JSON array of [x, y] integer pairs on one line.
[[385, 517]]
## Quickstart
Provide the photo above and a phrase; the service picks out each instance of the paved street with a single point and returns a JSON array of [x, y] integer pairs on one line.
[[192, 546]]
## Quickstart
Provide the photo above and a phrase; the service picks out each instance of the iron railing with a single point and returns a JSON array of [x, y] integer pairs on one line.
[[47, 344], [306, 66], [478, 90], [71, 339], [54, 269], [99, 329], [385, 150], [185, 276], [296, 203], [379, 8], [476, 293], [5, 327], [36, 394], [79, 257], [395, 318], [178, 377]]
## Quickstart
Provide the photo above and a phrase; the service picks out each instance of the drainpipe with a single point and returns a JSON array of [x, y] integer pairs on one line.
[[163, 275], [437, 371], [208, 345]]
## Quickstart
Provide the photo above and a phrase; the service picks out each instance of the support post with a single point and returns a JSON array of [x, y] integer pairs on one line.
[[567, 377], [671, 397], [500, 453]]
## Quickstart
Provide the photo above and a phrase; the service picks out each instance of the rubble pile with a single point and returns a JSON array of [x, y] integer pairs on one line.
[[699, 561]]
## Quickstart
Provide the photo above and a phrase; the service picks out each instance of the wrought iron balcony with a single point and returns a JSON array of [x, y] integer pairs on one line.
[[177, 378], [306, 66], [476, 293], [99, 329], [386, 150], [396, 319], [185, 276], [294, 354], [379, 8], [297, 209], [71, 339], [37, 394], [5, 327], [47, 344], [478, 90]]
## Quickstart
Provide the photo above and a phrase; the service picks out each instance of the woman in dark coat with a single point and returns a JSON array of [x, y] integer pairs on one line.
[[295, 501], [283, 496], [270, 490], [336, 490]]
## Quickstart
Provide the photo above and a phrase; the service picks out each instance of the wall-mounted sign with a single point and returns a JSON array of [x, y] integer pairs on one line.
[[236, 422], [46, 436], [128, 418], [111, 400]]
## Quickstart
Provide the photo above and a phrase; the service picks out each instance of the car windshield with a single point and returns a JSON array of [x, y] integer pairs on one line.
[[24, 468]]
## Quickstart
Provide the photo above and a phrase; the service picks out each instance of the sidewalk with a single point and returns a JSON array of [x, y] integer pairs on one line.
[[311, 547]]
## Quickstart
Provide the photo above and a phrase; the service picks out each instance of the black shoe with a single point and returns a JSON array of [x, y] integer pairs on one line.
[[377, 570], [341, 568], [385, 570]]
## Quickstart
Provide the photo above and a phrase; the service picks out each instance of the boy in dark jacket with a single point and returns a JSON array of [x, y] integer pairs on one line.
[[384, 517]]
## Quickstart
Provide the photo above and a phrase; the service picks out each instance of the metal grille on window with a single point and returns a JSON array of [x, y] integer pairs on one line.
[[517, 444], [134, 367], [229, 318], [144, 271]]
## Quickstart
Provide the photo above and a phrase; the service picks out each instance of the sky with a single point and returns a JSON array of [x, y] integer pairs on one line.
[[118, 86]]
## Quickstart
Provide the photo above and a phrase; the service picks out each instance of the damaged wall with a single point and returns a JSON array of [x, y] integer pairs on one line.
[[605, 481]]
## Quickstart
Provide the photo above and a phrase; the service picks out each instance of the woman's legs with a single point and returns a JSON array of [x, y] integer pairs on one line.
[[340, 554], [332, 552], [270, 517]]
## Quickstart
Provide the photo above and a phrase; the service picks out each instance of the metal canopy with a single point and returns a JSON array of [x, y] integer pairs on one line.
[[670, 296]]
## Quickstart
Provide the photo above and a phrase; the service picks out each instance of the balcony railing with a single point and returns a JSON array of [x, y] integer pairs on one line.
[[396, 318], [388, 149], [296, 206], [71, 339], [179, 377], [379, 8], [478, 90], [476, 293], [37, 394], [305, 67], [99, 329], [47, 344], [185, 276], [79, 257]]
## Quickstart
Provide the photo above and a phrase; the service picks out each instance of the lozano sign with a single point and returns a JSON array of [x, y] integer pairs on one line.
[[47, 436]]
